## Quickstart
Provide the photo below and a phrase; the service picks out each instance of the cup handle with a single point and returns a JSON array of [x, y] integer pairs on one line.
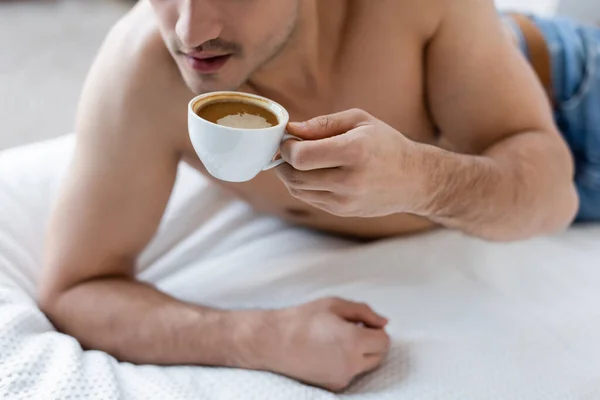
[[279, 161]]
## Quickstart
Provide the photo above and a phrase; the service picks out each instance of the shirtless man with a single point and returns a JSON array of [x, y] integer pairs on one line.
[[419, 113]]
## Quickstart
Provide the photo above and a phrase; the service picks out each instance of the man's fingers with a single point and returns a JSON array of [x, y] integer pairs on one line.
[[361, 313], [318, 179], [318, 154], [328, 125], [372, 362], [314, 196], [374, 341], [309, 155]]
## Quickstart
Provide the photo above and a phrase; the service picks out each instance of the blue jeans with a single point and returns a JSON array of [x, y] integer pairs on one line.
[[575, 54]]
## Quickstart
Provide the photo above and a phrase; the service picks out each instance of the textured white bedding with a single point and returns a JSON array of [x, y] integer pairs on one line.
[[469, 320]]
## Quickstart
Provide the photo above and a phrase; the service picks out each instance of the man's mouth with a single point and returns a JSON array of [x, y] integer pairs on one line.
[[206, 63]]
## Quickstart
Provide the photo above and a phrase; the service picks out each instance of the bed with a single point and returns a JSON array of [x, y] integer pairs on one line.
[[469, 319]]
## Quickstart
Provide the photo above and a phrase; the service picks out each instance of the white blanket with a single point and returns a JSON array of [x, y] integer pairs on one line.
[[469, 320]]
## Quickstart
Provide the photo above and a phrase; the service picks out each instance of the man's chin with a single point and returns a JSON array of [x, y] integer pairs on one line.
[[204, 86], [199, 84]]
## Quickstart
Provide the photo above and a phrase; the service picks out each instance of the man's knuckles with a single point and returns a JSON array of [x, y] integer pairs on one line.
[[292, 178], [353, 184], [356, 148], [324, 123], [300, 156]]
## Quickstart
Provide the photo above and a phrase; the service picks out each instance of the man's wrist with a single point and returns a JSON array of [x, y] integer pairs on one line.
[[455, 185], [439, 172], [244, 340]]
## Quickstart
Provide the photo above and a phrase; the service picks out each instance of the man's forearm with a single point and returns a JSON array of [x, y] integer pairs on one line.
[[520, 187], [136, 323]]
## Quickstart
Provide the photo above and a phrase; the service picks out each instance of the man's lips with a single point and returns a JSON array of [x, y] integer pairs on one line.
[[206, 63]]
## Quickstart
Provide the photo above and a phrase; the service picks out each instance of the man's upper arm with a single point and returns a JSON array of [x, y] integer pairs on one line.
[[480, 88], [122, 174]]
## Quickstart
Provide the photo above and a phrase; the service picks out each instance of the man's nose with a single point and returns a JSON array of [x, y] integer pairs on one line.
[[198, 23]]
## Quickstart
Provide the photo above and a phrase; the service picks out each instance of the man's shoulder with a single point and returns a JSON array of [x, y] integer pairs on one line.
[[428, 18], [134, 88], [134, 52], [419, 18]]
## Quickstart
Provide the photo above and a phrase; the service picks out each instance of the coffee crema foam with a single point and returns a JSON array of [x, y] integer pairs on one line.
[[244, 121]]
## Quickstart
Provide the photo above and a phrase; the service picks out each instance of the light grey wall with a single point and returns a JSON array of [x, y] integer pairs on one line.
[[46, 48]]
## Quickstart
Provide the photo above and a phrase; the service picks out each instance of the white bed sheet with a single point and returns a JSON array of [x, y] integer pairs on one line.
[[469, 319]]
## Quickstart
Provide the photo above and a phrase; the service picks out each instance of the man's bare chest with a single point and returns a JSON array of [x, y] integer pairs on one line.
[[394, 94]]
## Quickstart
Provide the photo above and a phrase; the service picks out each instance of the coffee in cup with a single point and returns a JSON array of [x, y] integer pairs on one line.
[[236, 135], [238, 114]]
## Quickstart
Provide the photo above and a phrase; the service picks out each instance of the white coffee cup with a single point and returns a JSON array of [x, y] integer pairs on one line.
[[236, 154]]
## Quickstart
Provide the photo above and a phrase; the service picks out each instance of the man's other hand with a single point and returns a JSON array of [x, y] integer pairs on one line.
[[326, 343]]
